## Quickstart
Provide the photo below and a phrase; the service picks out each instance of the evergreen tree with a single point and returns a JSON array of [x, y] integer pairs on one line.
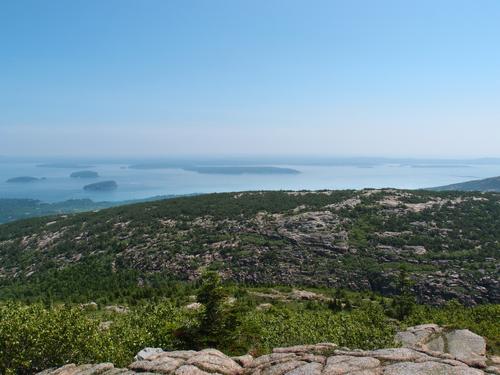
[[404, 303]]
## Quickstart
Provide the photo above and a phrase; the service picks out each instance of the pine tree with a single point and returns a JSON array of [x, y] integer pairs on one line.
[[404, 303]]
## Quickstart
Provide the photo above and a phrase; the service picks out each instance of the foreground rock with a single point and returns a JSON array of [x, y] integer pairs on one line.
[[461, 344], [428, 350]]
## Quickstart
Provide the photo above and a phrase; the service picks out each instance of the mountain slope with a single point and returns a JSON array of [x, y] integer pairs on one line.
[[487, 185], [17, 209], [358, 240]]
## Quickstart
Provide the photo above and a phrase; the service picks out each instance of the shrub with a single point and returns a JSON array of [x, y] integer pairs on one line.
[[33, 338]]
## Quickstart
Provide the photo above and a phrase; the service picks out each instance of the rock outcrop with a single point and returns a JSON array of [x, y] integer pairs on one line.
[[427, 350], [462, 344]]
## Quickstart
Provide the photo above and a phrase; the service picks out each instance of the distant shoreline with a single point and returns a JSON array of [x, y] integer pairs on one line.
[[227, 170]]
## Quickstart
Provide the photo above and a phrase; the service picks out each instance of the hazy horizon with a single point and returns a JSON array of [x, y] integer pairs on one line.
[[246, 158], [335, 78]]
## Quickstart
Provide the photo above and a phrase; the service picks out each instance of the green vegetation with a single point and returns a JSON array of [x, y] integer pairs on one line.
[[15, 209], [404, 303], [482, 320], [447, 241], [218, 322], [349, 267], [33, 337], [487, 184], [232, 318]]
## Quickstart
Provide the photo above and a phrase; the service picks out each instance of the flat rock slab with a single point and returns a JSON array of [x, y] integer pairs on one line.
[[190, 370], [344, 364], [319, 359], [215, 363], [312, 368], [317, 348], [428, 368]]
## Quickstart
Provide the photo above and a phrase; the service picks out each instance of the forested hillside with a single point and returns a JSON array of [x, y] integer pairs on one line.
[[447, 243], [487, 184]]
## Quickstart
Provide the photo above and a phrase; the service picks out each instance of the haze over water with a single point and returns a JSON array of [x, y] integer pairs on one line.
[[145, 183]]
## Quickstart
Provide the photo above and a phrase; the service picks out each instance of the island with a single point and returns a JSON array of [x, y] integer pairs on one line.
[[241, 170], [437, 166], [101, 186], [24, 179], [84, 174]]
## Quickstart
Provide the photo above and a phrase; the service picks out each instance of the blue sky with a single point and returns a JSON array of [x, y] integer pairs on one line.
[[352, 77]]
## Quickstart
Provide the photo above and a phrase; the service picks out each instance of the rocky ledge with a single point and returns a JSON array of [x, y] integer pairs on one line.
[[427, 349]]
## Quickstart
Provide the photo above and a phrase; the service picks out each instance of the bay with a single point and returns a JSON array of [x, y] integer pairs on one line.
[[143, 183]]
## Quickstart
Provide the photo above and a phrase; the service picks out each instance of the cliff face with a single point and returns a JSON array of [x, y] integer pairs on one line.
[[427, 350]]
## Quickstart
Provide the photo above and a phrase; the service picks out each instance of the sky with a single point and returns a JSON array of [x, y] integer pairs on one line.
[[416, 78]]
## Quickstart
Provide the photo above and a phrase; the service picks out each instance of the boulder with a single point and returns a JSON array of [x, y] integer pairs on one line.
[[183, 354], [458, 344], [272, 358], [72, 369], [282, 368], [146, 353], [243, 360], [96, 369], [193, 306], [495, 359], [417, 336], [61, 370], [89, 306], [307, 369], [466, 346], [164, 365], [117, 309], [212, 360], [264, 306]]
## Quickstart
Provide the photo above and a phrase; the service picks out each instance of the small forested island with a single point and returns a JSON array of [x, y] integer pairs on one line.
[[242, 170], [228, 170], [101, 186], [84, 174], [24, 179], [437, 166]]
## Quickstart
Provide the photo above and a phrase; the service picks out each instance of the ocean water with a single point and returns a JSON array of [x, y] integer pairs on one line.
[[142, 183]]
